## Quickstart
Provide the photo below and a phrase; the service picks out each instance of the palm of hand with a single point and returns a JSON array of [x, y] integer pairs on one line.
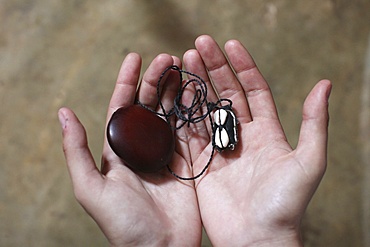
[[146, 208], [131, 208], [259, 190], [253, 186]]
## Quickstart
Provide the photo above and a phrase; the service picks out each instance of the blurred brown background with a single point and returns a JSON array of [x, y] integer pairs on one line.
[[67, 53]]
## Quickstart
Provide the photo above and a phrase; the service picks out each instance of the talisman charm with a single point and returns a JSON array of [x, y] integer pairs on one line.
[[224, 128]]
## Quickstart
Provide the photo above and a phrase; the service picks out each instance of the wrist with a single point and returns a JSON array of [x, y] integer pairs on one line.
[[254, 238], [290, 237], [277, 241]]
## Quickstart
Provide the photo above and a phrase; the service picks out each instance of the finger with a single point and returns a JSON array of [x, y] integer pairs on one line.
[[170, 86], [169, 93], [312, 144], [123, 95], [80, 163], [259, 96], [125, 89], [193, 63], [197, 133], [222, 76], [147, 93]]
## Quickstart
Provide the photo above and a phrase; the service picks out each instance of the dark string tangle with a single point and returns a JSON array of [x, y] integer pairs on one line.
[[187, 113]]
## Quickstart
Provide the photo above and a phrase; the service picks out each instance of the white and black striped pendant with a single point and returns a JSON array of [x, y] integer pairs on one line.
[[225, 133]]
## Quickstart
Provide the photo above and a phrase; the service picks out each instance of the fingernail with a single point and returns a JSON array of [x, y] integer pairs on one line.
[[62, 119]]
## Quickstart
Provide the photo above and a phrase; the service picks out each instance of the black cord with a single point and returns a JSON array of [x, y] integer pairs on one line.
[[187, 113]]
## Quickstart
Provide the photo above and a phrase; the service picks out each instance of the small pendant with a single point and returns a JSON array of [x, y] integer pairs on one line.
[[224, 128]]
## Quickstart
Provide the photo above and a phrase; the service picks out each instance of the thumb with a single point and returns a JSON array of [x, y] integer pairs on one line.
[[312, 144], [80, 163]]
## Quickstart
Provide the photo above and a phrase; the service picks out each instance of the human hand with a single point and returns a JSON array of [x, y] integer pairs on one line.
[[134, 209], [257, 193]]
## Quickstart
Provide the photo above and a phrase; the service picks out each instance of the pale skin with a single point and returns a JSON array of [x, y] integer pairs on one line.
[[254, 195]]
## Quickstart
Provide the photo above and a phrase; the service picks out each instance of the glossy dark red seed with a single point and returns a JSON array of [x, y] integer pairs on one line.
[[140, 138]]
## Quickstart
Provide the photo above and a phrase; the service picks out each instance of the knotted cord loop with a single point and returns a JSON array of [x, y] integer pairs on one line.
[[187, 114]]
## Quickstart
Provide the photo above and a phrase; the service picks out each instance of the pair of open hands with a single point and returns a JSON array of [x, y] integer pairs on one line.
[[253, 195]]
